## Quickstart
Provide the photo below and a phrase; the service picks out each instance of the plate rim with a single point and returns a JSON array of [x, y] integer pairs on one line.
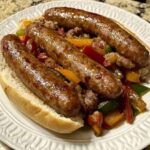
[[32, 7]]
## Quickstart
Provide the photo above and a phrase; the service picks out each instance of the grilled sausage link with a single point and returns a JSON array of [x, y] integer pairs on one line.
[[89, 100], [41, 81], [102, 26], [91, 73]]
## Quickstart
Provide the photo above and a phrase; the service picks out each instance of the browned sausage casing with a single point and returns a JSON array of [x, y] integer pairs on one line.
[[102, 26], [91, 73], [38, 79]]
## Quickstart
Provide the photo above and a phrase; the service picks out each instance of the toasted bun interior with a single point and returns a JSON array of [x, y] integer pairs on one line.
[[31, 105]]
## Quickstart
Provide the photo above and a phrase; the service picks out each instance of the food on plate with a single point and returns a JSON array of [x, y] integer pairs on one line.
[[99, 25], [115, 58], [96, 77], [71, 68], [40, 80], [43, 83]]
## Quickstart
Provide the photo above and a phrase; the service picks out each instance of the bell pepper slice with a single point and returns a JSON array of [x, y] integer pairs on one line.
[[140, 89], [91, 53], [69, 75], [127, 105], [20, 32], [22, 38], [108, 49], [112, 119], [80, 42], [135, 111], [133, 77], [139, 105], [23, 24], [108, 106], [26, 22], [95, 120]]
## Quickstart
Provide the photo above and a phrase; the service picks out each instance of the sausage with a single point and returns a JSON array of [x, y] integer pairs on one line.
[[41, 81], [94, 75], [115, 58], [102, 26], [88, 99]]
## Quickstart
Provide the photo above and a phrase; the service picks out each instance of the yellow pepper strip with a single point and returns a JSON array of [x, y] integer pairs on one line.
[[22, 38], [97, 130], [80, 42], [113, 118], [69, 75], [21, 31], [133, 76], [139, 104], [95, 120], [26, 22]]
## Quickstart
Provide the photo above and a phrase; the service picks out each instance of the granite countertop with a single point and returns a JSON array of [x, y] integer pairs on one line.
[[9, 7]]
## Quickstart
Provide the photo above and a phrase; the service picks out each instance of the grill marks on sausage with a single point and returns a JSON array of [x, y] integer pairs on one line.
[[99, 80], [44, 83], [112, 33]]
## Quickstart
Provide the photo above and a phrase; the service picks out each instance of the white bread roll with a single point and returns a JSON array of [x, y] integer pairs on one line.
[[31, 105]]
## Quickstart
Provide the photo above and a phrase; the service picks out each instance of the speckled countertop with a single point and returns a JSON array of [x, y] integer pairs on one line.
[[9, 7]]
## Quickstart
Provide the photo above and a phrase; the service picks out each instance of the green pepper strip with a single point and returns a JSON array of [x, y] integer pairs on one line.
[[109, 49], [108, 106], [20, 32], [135, 111], [140, 89]]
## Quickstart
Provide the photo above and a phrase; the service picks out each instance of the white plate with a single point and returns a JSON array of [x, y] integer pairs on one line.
[[21, 133]]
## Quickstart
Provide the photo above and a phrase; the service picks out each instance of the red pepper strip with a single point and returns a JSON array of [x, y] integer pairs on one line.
[[128, 109], [95, 120], [106, 126], [34, 46], [91, 53]]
